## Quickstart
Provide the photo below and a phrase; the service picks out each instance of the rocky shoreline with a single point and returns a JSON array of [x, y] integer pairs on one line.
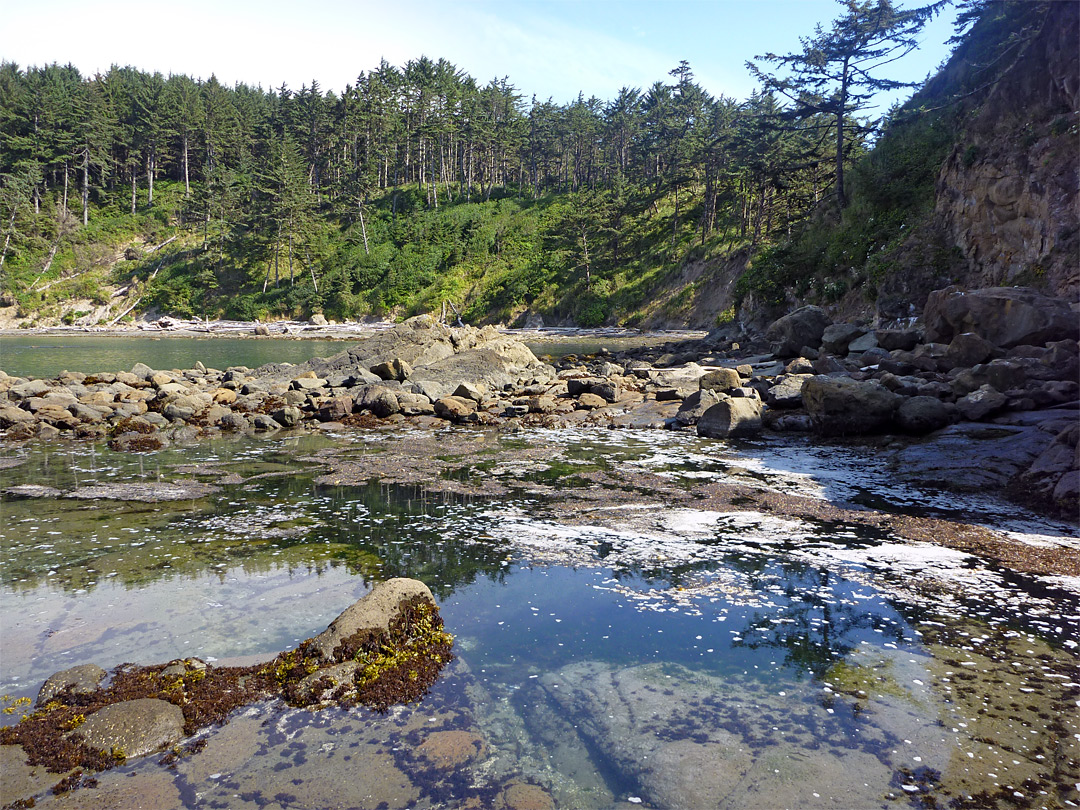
[[1000, 363]]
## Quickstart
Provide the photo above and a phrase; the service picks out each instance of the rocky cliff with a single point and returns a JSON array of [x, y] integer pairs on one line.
[[1007, 195]]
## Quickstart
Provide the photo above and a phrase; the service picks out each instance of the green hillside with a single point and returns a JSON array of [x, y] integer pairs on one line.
[[419, 190]]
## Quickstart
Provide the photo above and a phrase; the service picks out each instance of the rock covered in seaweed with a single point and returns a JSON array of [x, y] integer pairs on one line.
[[387, 648]]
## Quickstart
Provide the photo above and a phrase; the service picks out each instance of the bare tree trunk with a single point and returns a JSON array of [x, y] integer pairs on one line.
[[65, 187], [151, 164], [133, 180], [7, 238], [86, 188], [187, 182], [363, 230]]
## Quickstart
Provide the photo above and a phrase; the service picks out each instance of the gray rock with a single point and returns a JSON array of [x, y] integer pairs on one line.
[[608, 390], [836, 337], [920, 415], [863, 343], [803, 327], [966, 350], [840, 406], [289, 416], [10, 415], [373, 612], [81, 680], [133, 728], [469, 391], [393, 369], [731, 417], [695, 405], [787, 392], [1005, 316], [897, 339], [981, 403], [454, 409], [720, 380], [264, 423]]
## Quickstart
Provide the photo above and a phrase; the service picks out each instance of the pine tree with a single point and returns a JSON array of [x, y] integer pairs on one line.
[[832, 75]]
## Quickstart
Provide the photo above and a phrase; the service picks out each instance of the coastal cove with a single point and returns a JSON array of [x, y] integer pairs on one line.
[[796, 617]]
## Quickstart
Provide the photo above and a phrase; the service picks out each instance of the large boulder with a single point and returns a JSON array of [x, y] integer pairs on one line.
[[1005, 316], [841, 406], [803, 327], [731, 417]]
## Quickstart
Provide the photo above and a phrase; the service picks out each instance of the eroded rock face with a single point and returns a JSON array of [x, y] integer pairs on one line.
[[1003, 316]]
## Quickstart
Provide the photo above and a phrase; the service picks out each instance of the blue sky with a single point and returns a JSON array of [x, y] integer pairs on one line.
[[548, 48]]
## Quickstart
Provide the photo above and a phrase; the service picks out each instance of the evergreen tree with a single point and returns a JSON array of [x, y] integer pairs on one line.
[[832, 74]]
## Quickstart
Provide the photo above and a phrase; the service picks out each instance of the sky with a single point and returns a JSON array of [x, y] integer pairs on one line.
[[548, 48]]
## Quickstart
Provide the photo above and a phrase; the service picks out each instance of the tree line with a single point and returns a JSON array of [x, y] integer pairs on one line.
[[266, 172]]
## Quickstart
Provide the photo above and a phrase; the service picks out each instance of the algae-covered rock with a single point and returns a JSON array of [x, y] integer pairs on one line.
[[133, 728], [374, 613], [79, 680]]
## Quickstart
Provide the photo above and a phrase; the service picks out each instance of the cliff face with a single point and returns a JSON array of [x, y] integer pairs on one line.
[[1007, 197]]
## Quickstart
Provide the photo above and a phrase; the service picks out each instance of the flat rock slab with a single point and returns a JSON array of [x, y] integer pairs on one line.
[[145, 493], [135, 727], [690, 740], [18, 780], [972, 456]]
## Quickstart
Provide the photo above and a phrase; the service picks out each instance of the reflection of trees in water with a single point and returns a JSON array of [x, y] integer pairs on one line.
[[411, 532], [278, 523], [816, 625]]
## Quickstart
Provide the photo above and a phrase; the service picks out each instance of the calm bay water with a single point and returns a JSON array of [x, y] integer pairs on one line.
[[614, 649], [48, 355]]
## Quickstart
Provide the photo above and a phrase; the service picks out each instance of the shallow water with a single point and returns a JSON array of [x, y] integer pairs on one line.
[[48, 355], [612, 647]]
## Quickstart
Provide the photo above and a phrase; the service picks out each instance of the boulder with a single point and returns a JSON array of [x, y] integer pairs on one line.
[[803, 327], [841, 406], [787, 392], [920, 415], [695, 405], [394, 369], [1005, 316], [288, 416], [837, 336], [731, 417], [454, 409], [965, 350], [897, 339], [80, 680], [981, 403], [133, 728], [373, 612], [863, 343], [720, 380]]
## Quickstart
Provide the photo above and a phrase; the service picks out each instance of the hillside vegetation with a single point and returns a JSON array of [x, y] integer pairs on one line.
[[419, 190]]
